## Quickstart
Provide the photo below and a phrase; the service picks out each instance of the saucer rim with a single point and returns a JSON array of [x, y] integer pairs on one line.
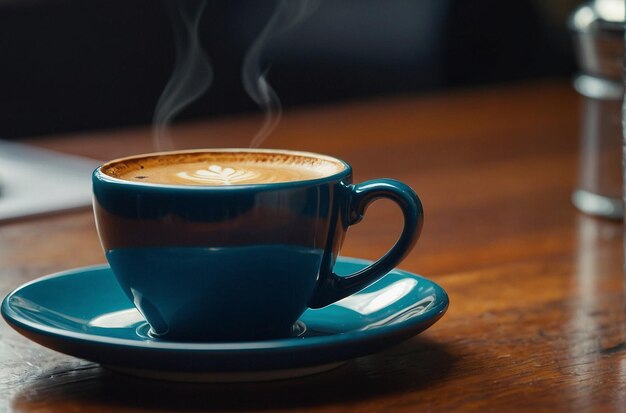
[[418, 322]]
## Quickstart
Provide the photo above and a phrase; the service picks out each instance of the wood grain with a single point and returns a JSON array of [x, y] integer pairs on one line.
[[537, 318]]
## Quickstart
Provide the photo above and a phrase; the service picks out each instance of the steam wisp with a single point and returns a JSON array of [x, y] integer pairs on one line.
[[192, 73], [288, 13]]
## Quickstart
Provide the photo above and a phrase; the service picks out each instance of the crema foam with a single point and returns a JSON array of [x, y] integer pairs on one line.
[[223, 168]]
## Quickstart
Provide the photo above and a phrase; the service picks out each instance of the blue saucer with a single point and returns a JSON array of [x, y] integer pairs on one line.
[[83, 312]]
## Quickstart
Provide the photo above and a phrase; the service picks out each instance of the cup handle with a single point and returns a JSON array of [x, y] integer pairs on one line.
[[332, 287]]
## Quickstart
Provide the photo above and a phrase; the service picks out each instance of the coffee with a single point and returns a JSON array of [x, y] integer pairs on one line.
[[227, 167]]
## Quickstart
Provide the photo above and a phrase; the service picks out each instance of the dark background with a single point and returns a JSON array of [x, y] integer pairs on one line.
[[69, 65]]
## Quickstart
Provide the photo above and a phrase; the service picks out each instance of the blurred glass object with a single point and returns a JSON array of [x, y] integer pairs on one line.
[[597, 28]]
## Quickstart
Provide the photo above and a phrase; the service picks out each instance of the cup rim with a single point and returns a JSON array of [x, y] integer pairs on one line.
[[99, 175]]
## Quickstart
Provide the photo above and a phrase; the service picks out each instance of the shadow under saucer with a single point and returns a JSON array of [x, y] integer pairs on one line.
[[412, 366]]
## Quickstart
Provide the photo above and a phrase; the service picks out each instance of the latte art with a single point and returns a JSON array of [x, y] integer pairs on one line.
[[223, 168], [217, 175]]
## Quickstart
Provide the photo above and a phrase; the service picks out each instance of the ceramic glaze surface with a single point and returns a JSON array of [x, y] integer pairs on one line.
[[84, 312], [278, 282]]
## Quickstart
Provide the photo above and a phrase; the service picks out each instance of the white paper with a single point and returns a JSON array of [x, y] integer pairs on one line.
[[37, 181]]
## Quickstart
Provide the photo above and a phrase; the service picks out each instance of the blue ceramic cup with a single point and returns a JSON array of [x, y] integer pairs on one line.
[[239, 260]]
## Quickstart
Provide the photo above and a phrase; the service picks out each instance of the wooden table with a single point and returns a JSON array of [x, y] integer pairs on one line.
[[537, 317]]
